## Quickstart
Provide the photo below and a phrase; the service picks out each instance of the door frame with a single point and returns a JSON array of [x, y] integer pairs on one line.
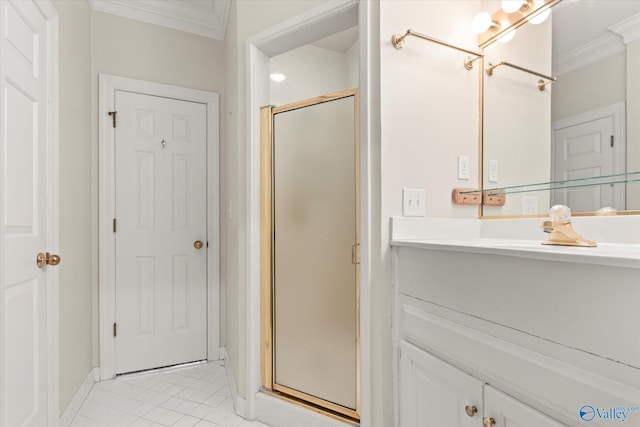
[[50, 14], [617, 111], [297, 31], [108, 85]]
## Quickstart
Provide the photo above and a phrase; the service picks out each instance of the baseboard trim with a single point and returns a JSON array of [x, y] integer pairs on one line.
[[239, 404], [78, 398]]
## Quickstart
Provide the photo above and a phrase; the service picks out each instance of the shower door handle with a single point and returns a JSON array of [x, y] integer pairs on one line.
[[355, 254]]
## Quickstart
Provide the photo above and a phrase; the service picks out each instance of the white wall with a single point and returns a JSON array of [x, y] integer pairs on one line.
[[311, 71], [429, 115], [517, 115], [76, 242], [430, 105]]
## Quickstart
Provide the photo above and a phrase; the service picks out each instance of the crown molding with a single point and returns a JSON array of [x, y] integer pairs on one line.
[[588, 53], [622, 33], [210, 21], [629, 29]]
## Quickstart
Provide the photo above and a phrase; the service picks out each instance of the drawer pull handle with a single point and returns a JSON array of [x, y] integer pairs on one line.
[[488, 422], [471, 410]]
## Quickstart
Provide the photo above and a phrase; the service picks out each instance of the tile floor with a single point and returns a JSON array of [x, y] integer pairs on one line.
[[193, 395]]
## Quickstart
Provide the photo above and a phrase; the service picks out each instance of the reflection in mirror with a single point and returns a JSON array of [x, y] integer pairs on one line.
[[565, 131]]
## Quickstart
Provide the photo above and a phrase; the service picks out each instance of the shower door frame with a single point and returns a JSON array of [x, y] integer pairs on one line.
[[267, 261]]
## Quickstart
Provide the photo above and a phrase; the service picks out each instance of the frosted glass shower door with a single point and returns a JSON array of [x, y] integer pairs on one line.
[[315, 204]]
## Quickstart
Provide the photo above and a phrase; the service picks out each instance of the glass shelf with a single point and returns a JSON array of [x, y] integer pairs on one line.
[[621, 178]]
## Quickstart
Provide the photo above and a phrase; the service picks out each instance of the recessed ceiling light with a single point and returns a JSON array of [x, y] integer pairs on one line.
[[277, 77]]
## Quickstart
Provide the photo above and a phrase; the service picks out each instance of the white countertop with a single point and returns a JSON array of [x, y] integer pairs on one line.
[[610, 254]]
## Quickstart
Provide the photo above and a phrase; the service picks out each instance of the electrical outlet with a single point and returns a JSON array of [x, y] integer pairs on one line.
[[463, 167], [493, 171], [413, 203], [529, 205]]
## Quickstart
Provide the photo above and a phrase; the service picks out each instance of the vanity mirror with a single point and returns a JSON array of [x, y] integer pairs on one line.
[[547, 146]]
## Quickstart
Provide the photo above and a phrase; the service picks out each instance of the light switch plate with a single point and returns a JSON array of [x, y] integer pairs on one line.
[[493, 171], [463, 167], [413, 202], [529, 205]]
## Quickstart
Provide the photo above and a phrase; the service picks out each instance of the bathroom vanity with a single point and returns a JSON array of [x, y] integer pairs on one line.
[[494, 331]]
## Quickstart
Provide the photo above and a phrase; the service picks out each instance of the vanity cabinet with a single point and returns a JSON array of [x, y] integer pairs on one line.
[[539, 340], [507, 411], [437, 394]]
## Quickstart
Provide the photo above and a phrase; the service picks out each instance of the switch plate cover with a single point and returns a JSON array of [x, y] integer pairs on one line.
[[463, 167], [493, 171], [529, 205], [413, 202]]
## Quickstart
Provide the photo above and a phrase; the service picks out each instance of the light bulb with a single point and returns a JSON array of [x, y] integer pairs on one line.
[[277, 77], [508, 35], [541, 17], [510, 6], [481, 23]]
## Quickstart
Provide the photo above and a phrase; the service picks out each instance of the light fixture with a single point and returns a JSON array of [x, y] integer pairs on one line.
[[507, 36], [482, 22], [277, 77], [510, 6], [542, 16]]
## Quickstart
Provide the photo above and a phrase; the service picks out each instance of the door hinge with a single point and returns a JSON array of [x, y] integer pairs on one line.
[[355, 253], [611, 141], [114, 225], [113, 117], [115, 329]]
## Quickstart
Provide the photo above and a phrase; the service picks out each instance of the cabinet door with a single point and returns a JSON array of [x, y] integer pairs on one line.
[[434, 393], [506, 411]]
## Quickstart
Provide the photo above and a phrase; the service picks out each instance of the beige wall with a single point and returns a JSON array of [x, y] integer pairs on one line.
[[588, 88], [93, 43], [76, 276], [152, 53]]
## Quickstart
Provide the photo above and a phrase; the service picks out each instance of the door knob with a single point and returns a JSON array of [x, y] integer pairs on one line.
[[488, 422], [197, 244], [47, 259], [471, 410]]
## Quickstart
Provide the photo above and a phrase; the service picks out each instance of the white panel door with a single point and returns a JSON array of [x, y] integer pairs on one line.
[[161, 211], [434, 393], [509, 412], [584, 151], [24, 214]]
